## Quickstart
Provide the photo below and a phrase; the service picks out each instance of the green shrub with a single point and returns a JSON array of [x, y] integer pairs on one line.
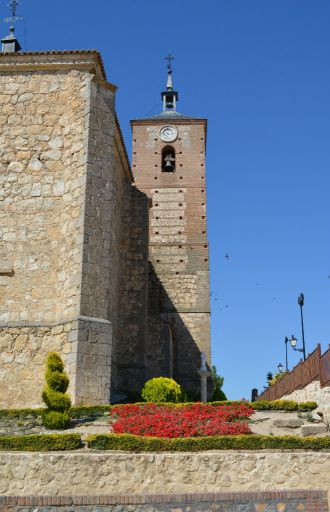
[[162, 389], [40, 442], [193, 444], [283, 405], [54, 396], [55, 400], [20, 414], [57, 380], [276, 378], [307, 406], [88, 411], [54, 362], [55, 419], [218, 395]]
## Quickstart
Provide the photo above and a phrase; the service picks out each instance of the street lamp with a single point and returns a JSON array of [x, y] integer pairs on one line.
[[301, 300], [293, 343], [280, 368]]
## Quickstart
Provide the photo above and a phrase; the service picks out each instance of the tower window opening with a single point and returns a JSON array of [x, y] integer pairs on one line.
[[168, 159]]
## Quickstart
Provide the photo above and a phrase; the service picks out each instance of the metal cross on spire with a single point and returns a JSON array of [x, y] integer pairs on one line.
[[13, 4], [169, 65]]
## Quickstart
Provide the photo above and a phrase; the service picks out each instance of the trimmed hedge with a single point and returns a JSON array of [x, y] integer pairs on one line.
[[84, 411], [133, 443], [262, 405], [74, 412], [90, 411], [20, 414], [40, 442], [283, 405]]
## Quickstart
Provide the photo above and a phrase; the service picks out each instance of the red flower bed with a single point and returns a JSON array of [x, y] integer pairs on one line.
[[181, 421]]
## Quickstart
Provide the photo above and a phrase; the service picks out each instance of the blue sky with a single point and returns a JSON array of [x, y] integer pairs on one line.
[[259, 71]]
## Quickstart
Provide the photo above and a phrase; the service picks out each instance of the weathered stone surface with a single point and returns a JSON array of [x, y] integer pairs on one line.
[[126, 473], [313, 393], [64, 174], [313, 429], [288, 423]]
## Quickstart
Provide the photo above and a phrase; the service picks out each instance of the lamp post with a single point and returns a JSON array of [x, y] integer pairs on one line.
[[280, 368], [286, 353], [301, 300]]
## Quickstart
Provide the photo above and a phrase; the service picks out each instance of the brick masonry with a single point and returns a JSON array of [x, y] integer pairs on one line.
[[274, 501], [178, 246]]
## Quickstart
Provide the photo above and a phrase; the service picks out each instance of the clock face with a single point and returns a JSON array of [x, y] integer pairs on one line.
[[168, 133]]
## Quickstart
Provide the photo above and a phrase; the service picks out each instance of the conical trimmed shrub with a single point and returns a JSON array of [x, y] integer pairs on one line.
[[54, 394]]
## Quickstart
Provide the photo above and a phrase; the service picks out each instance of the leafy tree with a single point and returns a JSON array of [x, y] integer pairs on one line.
[[269, 377], [218, 394]]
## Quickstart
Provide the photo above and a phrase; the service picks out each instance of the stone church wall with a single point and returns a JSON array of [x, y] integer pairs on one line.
[[42, 131], [23, 353], [68, 214], [130, 350]]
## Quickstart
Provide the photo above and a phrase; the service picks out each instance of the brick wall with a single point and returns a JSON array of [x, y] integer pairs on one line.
[[178, 246], [276, 501]]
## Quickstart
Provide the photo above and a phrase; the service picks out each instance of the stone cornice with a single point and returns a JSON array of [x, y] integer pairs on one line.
[[81, 60]]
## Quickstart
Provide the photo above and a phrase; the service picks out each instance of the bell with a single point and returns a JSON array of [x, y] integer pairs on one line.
[[168, 165]]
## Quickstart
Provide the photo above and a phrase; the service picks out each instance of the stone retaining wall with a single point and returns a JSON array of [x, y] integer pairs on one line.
[[97, 473], [313, 393]]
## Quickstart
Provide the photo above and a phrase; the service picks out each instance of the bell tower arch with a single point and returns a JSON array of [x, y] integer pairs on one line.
[[169, 166]]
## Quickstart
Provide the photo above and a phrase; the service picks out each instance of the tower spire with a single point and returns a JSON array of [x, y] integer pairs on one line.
[[169, 96], [10, 43]]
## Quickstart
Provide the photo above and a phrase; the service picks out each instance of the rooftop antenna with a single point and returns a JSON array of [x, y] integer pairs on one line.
[[10, 44]]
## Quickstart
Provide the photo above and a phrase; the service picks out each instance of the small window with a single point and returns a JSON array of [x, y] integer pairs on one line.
[[168, 159]]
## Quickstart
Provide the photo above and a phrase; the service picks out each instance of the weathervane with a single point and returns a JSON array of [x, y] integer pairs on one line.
[[13, 4], [10, 43]]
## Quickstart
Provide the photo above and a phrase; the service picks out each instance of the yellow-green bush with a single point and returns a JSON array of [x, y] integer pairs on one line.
[[56, 420], [54, 394], [161, 389], [59, 381], [55, 400], [193, 444], [283, 405], [40, 442]]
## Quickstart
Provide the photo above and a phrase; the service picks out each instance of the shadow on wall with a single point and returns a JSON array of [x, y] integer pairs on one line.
[[171, 348]]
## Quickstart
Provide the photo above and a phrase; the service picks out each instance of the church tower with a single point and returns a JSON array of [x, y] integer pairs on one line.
[[169, 167]]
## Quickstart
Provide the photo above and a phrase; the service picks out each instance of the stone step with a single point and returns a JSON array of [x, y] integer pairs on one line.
[[288, 423], [312, 429]]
